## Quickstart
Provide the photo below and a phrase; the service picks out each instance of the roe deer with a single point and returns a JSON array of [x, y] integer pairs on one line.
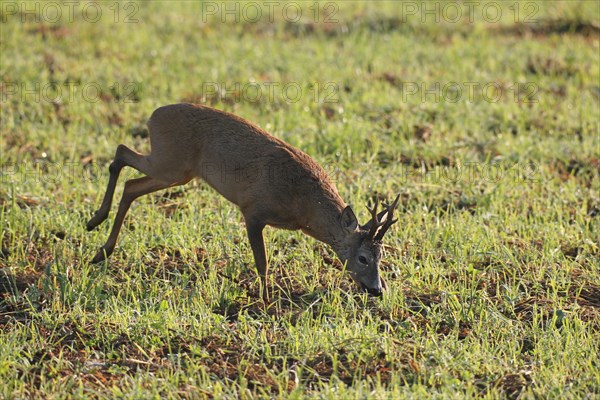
[[270, 181]]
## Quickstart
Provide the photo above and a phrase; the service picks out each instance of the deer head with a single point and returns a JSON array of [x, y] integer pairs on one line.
[[362, 247]]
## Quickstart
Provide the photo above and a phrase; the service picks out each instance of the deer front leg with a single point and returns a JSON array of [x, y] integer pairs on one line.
[[255, 235]]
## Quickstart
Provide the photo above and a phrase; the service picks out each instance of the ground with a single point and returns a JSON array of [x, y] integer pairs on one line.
[[483, 116]]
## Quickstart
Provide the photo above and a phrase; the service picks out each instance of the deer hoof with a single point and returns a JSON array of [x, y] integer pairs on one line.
[[94, 222], [100, 256]]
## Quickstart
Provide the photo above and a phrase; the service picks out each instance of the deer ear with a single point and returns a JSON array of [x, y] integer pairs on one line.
[[349, 221]]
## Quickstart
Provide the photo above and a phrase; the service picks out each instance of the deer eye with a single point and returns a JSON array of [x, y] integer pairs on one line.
[[362, 260]]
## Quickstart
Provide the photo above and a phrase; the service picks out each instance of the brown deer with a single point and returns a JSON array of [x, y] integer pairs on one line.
[[270, 181]]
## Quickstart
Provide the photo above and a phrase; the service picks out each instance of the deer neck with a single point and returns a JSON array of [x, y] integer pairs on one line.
[[325, 226]]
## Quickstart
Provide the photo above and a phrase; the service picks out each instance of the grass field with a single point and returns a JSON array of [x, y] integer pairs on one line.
[[484, 117]]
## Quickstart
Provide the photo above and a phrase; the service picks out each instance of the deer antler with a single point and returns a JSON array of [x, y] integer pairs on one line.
[[375, 223], [389, 220]]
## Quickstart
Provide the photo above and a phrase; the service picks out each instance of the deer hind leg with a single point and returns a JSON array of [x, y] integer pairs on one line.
[[255, 235], [134, 188], [124, 157]]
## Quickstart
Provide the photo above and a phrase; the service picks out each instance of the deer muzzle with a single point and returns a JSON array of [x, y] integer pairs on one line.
[[375, 292]]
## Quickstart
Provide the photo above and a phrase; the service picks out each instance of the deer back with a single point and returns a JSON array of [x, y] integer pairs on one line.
[[260, 173]]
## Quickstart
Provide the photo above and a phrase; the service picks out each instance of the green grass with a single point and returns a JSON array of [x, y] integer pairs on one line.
[[493, 268]]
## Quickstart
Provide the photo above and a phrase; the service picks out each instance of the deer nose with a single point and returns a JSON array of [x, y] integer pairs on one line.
[[375, 292]]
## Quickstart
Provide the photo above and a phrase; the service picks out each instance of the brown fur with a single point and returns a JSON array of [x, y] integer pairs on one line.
[[271, 182]]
